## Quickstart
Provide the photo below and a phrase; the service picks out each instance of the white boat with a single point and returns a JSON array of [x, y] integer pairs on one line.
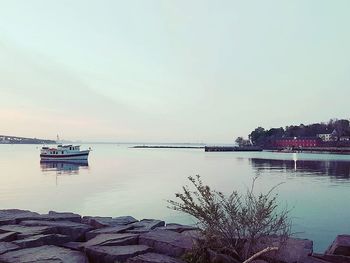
[[64, 152]]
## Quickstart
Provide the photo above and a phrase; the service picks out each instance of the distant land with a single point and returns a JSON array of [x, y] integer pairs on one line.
[[6, 139]]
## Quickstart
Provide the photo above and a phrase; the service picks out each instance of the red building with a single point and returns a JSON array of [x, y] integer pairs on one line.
[[298, 142]]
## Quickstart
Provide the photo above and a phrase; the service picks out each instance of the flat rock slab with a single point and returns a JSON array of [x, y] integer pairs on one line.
[[47, 254], [60, 216], [340, 246], [41, 240], [100, 222], [177, 228], [193, 234], [167, 242], [7, 246], [107, 254], [112, 240], [76, 231], [107, 230], [28, 231], [153, 258], [8, 236], [146, 225], [14, 216]]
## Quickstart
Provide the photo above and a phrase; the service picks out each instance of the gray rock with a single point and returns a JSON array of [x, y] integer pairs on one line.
[[76, 231], [7, 246], [100, 222], [59, 216], [193, 234], [14, 216], [340, 246], [293, 250], [167, 242], [8, 236], [107, 230], [73, 245], [41, 240], [330, 258], [313, 260], [222, 258], [153, 258], [47, 254], [107, 254], [28, 231], [146, 225], [112, 240], [177, 228]]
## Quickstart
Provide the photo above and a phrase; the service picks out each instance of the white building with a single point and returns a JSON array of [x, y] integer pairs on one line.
[[326, 137]]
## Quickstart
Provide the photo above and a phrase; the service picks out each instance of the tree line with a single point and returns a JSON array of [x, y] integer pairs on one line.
[[265, 137]]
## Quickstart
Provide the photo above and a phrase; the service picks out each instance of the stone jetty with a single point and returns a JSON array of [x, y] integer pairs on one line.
[[27, 236]]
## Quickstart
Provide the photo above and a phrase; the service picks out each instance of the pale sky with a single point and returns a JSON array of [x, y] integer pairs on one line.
[[170, 71]]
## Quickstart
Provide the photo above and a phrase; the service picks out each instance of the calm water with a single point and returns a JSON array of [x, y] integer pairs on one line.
[[119, 180]]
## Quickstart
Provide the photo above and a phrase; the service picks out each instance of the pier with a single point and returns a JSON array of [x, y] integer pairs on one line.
[[232, 149]]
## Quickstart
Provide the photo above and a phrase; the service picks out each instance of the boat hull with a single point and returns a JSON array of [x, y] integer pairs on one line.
[[82, 155]]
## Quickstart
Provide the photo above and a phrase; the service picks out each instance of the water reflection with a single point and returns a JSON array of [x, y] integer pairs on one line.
[[336, 169], [64, 167]]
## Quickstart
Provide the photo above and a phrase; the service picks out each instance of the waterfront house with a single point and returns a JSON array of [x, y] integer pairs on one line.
[[291, 142], [326, 137]]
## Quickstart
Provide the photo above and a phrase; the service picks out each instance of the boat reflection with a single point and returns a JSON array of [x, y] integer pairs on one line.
[[64, 167], [335, 169]]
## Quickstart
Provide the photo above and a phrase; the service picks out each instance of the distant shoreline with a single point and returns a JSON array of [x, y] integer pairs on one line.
[[6, 139]]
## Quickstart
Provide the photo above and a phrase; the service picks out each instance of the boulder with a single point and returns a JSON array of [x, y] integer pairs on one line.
[[177, 228], [112, 254], [47, 254], [112, 240], [8, 236], [7, 246], [167, 242], [13, 216], [107, 230], [28, 231], [76, 231], [146, 225], [340, 246], [99, 222], [59, 216], [40, 240], [153, 258]]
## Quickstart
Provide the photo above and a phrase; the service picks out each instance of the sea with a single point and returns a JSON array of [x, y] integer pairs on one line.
[[121, 180]]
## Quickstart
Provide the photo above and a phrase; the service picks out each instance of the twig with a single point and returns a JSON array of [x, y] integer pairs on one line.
[[268, 249]]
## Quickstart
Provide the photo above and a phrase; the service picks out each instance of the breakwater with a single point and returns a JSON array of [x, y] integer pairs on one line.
[[27, 236]]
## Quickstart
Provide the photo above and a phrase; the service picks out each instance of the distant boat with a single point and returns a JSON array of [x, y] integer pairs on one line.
[[64, 152]]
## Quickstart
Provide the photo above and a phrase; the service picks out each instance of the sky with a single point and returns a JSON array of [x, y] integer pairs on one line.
[[170, 71]]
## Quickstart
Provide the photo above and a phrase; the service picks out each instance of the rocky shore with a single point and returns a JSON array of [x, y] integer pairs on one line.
[[27, 236]]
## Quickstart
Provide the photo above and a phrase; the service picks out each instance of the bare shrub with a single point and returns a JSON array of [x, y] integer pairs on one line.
[[238, 225]]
